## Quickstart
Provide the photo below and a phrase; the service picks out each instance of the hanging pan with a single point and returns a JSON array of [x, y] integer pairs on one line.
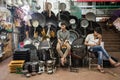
[[73, 35], [73, 22], [39, 17], [64, 18], [90, 16], [84, 23]]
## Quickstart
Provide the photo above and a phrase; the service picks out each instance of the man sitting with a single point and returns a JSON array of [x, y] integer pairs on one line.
[[93, 42], [63, 36]]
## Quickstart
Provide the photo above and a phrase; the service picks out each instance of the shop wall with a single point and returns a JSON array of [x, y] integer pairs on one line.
[[54, 4]]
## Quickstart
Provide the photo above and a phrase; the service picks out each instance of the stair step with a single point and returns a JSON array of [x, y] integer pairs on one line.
[[108, 32], [112, 43], [111, 37], [112, 49], [114, 34], [111, 40], [115, 55], [112, 46]]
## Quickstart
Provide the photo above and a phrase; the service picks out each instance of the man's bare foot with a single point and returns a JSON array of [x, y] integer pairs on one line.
[[65, 60], [62, 61]]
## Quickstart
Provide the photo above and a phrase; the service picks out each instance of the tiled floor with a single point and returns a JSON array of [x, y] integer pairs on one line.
[[61, 74]]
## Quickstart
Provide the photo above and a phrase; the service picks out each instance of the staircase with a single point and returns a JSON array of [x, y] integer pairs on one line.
[[112, 42]]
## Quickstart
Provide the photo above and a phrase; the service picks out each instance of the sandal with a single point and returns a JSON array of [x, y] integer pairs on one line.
[[117, 64], [101, 70]]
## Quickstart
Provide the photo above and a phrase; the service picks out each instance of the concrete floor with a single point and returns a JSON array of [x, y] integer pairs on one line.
[[61, 74]]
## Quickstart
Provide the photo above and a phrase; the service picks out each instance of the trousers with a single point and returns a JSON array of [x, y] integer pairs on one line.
[[101, 52], [58, 48]]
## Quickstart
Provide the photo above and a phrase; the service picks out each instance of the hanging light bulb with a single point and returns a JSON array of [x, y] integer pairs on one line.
[[19, 2], [9, 2], [14, 2]]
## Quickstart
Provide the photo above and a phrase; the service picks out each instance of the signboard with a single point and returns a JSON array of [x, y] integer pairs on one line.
[[97, 0], [116, 23]]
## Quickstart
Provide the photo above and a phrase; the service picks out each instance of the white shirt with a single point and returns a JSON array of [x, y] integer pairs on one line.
[[91, 40]]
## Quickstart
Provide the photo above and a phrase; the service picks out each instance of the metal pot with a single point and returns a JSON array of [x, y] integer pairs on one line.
[[36, 43], [90, 16], [3, 35], [27, 41], [41, 67], [49, 66], [74, 22], [63, 18], [73, 35]]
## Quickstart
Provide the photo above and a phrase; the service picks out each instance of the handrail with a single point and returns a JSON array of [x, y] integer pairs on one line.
[[101, 6]]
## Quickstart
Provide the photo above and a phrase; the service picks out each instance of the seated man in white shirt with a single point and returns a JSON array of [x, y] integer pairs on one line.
[[93, 42]]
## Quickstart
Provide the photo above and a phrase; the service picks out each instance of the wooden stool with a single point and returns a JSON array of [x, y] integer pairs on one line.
[[15, 65]]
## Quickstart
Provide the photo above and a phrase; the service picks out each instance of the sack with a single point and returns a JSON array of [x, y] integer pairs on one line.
[[78, 49], [43, 54], [79, 52], [33, 52]]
